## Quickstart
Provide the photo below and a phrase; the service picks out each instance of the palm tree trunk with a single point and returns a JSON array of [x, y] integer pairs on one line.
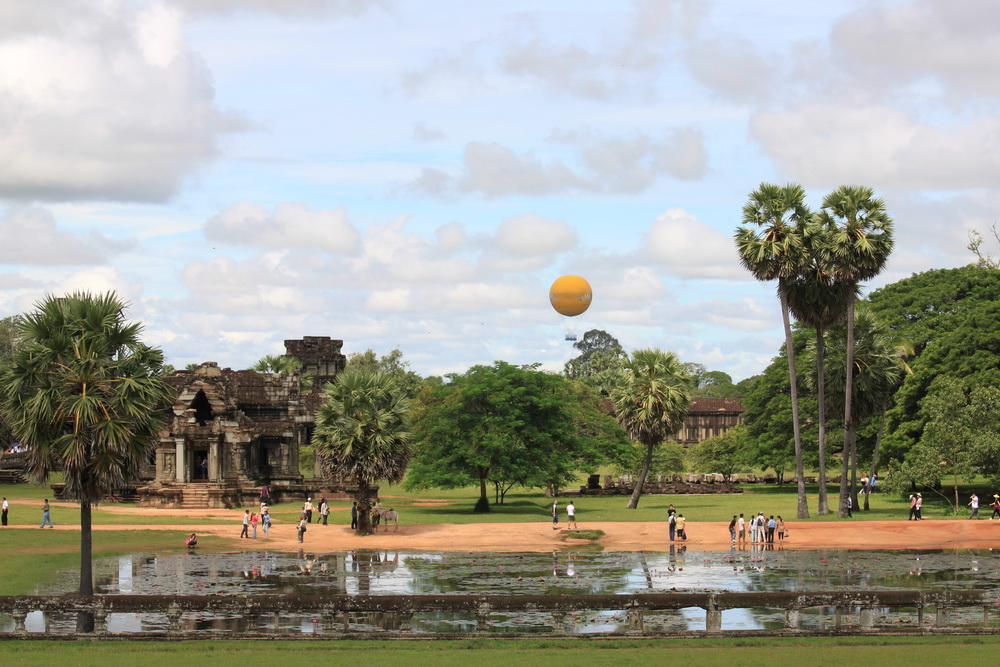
[[85, 619], [821, 390], [848, 393], [871, 471], [854, 468], [803, 506], [364, 507], [633, 502]]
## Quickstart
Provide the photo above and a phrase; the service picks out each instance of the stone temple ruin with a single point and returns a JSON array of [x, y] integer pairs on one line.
[[229, 432]]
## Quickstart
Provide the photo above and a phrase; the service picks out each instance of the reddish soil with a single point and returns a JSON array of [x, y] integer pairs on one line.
[[619, 536]]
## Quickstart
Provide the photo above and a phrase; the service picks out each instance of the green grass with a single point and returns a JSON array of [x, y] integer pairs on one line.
[[817, 652]]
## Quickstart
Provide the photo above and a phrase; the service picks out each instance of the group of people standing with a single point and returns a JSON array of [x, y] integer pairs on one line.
[[760, 529], [252, 519], [570, 516], [676, 525]]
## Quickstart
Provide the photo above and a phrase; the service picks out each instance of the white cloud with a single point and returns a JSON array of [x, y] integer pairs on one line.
[[290, 226], [348, 8], [105, 102], [530, 235], [826, 145], [29, 235], [687, 247]]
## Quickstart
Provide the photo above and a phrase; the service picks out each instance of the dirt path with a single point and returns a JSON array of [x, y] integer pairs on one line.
[[619, 536]]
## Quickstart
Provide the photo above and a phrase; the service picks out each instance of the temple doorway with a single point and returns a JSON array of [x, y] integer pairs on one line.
[[199, 472]]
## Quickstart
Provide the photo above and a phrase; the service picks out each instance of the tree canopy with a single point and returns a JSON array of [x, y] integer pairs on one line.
[[509, 425]]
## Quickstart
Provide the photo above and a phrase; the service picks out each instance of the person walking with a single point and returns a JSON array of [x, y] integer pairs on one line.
[[324, 509], [772, 525], [913, 508], [46, 518], [307, 509], [354, 516], [253, 525], [780, 529], [246, 525], [732, 530], [995, 505], [301, 529], [974, 504], [571, 517], [265, 522], [918, 506], [850, 505], [3, 512], [555, 515], [741, 530], [672, 522]]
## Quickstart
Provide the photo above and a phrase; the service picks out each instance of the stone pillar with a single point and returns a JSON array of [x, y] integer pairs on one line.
[[482, 617], [558, 622], [100, 619], [634, 617], [793, 618], [942, 619], [214, 469], [19, 617], [866, 618], [181, 462], [713, 616], [174, 617]]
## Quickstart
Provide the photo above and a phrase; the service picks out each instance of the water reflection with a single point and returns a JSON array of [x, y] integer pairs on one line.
[[390, 572]]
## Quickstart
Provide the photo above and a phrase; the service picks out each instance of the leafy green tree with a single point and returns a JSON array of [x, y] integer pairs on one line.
[[651, 403], [86, 397], [273, 363], [858, 250], [879, 370], [952, 319], [361, 432], [496, 422], [392, 364], [770, 243], [818, 300], [725, 454], [768, 416], [599, 361], [960, 439], [10, 343]]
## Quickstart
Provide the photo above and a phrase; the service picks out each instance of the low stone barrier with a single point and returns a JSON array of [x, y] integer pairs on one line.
[[332, 614]]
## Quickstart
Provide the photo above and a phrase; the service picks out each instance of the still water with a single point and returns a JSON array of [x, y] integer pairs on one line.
[[383, 573]]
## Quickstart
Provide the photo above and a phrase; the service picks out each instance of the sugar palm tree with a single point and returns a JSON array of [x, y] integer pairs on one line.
[[859, 248], [770, 242], [87, 398], [818, 300], [651, 400], [361, 432], [879, 370]]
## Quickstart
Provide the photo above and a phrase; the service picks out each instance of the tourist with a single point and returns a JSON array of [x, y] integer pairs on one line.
[[741, 529], [672, 522], [871, 483], [995, 505], [46, 519], [302, 526], [324, 509], [253, 524], [681, 530], [918, 506], [772, 525], [864, 482], [265, 522], [246, 525], [753, 529], [192, 540], [3, 512], [913, 508], [732, 530], [555, 515], [307, 510], [265, 495], [354, 516], [780, 529], [974, 504], [850, 504], [204, 467], [377, 512], [571, 517]]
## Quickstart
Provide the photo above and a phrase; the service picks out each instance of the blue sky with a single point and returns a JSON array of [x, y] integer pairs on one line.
[[416, 174]]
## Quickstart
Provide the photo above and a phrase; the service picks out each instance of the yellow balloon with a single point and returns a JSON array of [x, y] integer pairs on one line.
[[570, 295]]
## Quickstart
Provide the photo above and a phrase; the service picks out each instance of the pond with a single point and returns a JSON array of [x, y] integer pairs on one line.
[[385, 573]]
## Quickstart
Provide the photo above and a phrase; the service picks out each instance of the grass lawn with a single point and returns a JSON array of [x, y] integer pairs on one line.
[[817, 652]]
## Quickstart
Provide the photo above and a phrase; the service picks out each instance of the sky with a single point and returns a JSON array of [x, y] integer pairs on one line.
[[415, 174]]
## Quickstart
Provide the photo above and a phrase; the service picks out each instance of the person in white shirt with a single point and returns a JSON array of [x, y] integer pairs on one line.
[[571, 516]]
